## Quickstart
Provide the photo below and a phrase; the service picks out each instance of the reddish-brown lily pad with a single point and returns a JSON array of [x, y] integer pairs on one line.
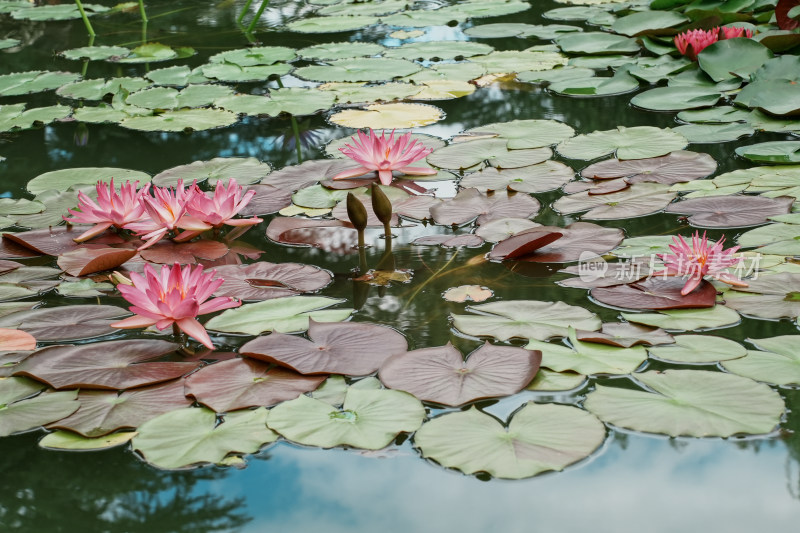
[[83, 261], [782, 18], [332, 236], [596, 188], [296, 177], [676, 167], [263, 280], [11, 250], [67, 322], [551, 244], [656, 293], [440, 374], [637, 200], [735, 211], [268, 199], [15, 340], [102, 412], [470, 204], [625, 335], [8, 266], [115, 365], [599, 273], [350, 348], [57, 240], [188, 253], [240, 383]]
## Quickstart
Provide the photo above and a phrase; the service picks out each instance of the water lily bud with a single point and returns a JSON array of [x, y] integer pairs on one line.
[[381, 205], [119, 279], [356, 212]]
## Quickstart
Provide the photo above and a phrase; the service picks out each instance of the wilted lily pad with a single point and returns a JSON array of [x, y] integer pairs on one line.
[[84, 261], [527, 319], [538, 438], [103, 412], [289, 314], [694, 403], [240, 383], [368, 419], [440, 374], [189, 436]]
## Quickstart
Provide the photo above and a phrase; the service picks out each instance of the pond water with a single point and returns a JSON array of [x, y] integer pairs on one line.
[[633, 480]]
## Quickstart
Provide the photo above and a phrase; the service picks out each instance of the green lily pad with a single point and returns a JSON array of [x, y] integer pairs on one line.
[[182, 119], [246, 170], [556, 75], [293, 100], [648, 23], [589, 357], [714, 133], [597, 43], [427, 50], [190, 436], [250, 57], [507, 61], [12, 117], [494, 151], [372, 69], [230, 72], [637, 200], [619, 83], [67, 440], [527, 319], [687, 319], [17, 388], [48, 407], [778, 363], [332, 24], [590, 14], [285, 315], [34, 81], [694, 403], [345, 50], [638, 142], [96, 89], [715, 115], [550, 381], [779, 152], [178, 76], [732, 58], [95, 53], [676, 98], [516, 29], [699, 349], [463, 71], [61, 180], [318, 196], [527, 133], [541, 177], [55, 205], [149, 53], [57, 12], [384, 7], [369, 419], [9, 43], [538, 438]]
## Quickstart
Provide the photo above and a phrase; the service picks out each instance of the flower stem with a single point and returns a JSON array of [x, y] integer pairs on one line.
[[253, 22], [85, 19], [244, 11], [435, 275], [176, 331], [142, 12]]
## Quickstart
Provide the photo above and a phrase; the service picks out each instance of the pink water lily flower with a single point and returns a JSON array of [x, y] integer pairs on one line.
[[692, 42], [167, 212], [220, 208], [174, 295], [385, 155], [111, 209], [732, 32], [700, 260]]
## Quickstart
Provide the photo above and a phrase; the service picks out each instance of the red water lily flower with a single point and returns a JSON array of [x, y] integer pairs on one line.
[[692, 42], [220, 208], [111, 209], [174, 295], [167, 212], [732, 32], [385, 155], [700, 260]]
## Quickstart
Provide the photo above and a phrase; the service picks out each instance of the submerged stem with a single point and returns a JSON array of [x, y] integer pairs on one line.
[[85, 19], [253, 22], [435, 275], [244, 11]]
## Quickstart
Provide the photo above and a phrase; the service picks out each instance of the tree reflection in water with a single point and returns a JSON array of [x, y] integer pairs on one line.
[[43, 490]]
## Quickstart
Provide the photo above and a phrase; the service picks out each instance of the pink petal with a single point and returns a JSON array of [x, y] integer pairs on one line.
[[135, 321], [194, 329]]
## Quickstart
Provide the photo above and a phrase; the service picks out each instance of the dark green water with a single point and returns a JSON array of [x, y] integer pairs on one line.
[[633, 482]]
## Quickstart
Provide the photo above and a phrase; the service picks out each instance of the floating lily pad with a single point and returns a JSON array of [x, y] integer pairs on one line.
[[16, 388], [332, 24], [502, 228], [621, 82], [509, 61], [244, 169], [779, 152], [293, 100], [538, 438], [332, 236], [440, 375], [527, 133], [68, 322], [154, 52], [344, 50], [369, 419], [676, 98], [687, 319], [258, 55], [779, 238], [351, 348], [731, 58], [12, 117], [104, 365], [178, 76], [56, 12], [494, 151], [181, 119], [29, 414], [713, 133], [637, 200], [103, 412], [676, 167], [240, 383], [731, 211], [67, 440], [639, 142], [551, 244], [61, 180], [34, 81], [290, 314], [516, 29], [388, 116], [656, 293], [470, 203], [9, 43], [695, 403], [189, 436], [360, 69], [597, 43], [84, 261], [527, 319], [233, 73], [550, 381], [589, 357], [625, 335], [264, 281], [699, 349], [16, 340], [778, 363], [427, 50], [770, 296], [95, 53], [96, 89], [648, 23], [463, 293]]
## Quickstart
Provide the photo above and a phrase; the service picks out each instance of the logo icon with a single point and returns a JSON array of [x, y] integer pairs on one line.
[[591, 266]]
